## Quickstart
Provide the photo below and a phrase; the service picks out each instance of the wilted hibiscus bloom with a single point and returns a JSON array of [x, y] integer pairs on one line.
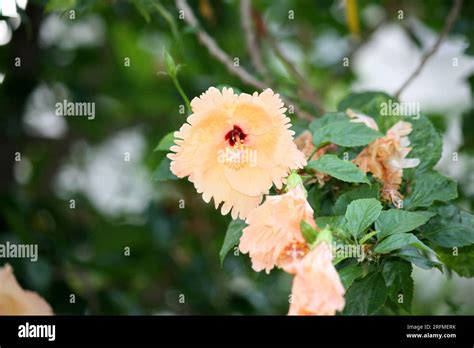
[[16, 301], [273, 236], [234, 147], [386, 158], [361, 118], [317, 288]]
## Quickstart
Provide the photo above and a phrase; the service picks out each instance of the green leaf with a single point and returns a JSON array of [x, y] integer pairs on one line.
[[60, 5], [395, 221], [331, 221], [399, 241], [232, 236], [309, 233], [361, 213], [365, 102], [459, 260], [345, 133], [366, 295], [397, 275], [349, 274], [163, 172], [165, 143], [339, 169], [414, 256], [364, 191], [452, 227], [431, 187], [170, 65], [326, 119], [370, 103], [426, 144], [367, 237]]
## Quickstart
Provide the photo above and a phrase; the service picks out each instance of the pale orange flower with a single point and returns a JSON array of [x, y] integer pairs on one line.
[[234, 147], [317, 288], [273, 237], [386, 158], [16, 301]]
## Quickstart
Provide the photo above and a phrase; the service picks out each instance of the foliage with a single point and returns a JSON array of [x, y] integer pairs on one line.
[[176, 250]]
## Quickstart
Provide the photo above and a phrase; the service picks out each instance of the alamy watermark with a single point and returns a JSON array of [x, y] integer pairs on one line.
[[342, 251], [68, 108], [403, 109], [237, 157], [21, 251]]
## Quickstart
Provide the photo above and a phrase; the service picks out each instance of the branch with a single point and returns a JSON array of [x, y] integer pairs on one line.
[[211, 45], [310, 94], [253, 48], [214, 50], [453, 14]]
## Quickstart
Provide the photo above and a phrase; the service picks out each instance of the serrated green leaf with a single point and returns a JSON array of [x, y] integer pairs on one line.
[[414, 256], [370, 103], [459, 260], [400, 241], [163, 172], [366, 296], [395, 221], [361, 213], [366, 102], [339, 169], [364, 191], [452, 227], [349, 274], [426, 144], [397, 276], [232, 236], [345, 133], [431, 187], [326, 119]]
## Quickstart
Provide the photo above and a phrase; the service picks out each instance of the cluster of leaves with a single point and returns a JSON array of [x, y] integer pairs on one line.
[[428, 231]]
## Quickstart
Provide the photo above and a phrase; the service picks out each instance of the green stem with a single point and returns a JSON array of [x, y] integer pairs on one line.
[[313, 153], [183, 95]]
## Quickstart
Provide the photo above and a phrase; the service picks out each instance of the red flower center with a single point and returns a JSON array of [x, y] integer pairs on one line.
[[236, 135]]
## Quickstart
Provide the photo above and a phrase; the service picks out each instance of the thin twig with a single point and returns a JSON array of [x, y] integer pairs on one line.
[[310, 94], [253, 48], [453, 14], [214, 50]]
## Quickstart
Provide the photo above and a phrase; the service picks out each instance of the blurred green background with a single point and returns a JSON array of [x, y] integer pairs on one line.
[[111, 53]]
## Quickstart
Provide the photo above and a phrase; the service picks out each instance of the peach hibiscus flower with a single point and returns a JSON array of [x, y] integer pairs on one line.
[[234, 147], [16, 301], [317, 288], [273, 236], [386, 158]]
